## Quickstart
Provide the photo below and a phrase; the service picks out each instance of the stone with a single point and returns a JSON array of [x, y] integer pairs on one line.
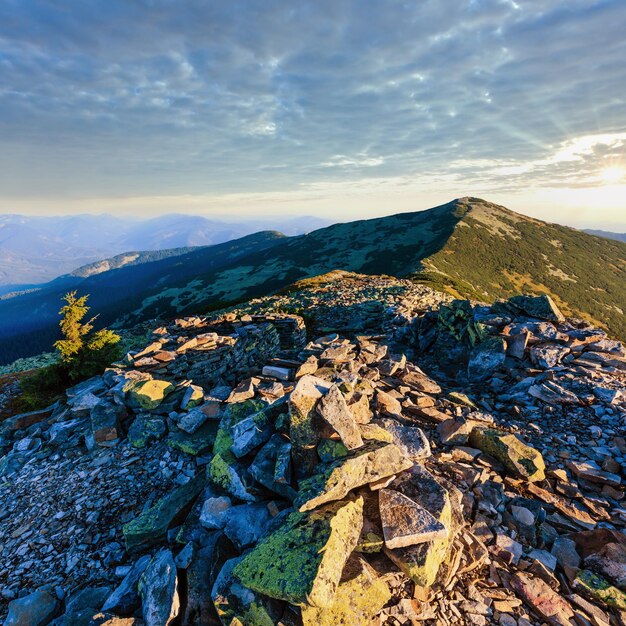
[[599, 589], [564, 550], [334, 481], [237, 605], [303, 560], [201, 576], [411, 440], [303, 429], [148, 394], [406, 523], [281, 373], [486, 358], [145, 429], [455, 432], [421, 562], [125, 599], [250, 433], [243, 391], [230, 478], [359, 406], [517, 457], [386, 404], [541, 307], [193, 396], [192, 420], [604, 551], [158, 588], [593, 473], [214, 513], [417, 380], [107, 619], [246, 524], [335, 412], [547, 356], [272, 466], [195, 443], [151, 526], [35, 609], [105, 422], [359, 597], [542, 599], [508, 550]]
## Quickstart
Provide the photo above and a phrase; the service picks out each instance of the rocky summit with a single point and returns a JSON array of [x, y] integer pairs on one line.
[[359, 450]]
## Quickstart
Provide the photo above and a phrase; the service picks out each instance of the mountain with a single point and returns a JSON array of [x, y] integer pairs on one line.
[[468, 248], [35, 249], [607, 234]]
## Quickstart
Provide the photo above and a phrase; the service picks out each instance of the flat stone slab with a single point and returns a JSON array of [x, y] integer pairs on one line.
[[302, 562], [406, 523], [367, 464]]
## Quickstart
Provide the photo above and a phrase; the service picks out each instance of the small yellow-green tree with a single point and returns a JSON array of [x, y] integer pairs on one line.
[[84, 352]]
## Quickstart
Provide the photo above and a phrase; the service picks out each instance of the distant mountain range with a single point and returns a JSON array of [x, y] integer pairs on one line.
[[468, 247], [34, 250], [607, 234]]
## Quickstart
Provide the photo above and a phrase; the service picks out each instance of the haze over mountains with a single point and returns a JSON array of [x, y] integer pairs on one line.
[[468, 247], [607, 234], [34, 250]]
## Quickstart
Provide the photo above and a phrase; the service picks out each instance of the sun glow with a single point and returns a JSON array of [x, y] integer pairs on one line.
[[612, 175]]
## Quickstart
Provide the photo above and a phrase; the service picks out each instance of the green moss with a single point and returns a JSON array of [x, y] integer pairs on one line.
[[303, 560], [600, 589]]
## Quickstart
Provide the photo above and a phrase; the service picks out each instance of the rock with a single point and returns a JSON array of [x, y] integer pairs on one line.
[[237, 605], [148, 394], [421, 562], [411, 440], [359, 406], [250, 433], [199, 442], [107, 619], [158, 588], [360, 595], [386, 404], [516, 456], [246, 524], [214, 514], [552, 393], [125, 599], [593, 473], [334, 481], [335, 412], [35, 609], [303, 431], [406, 523], [145, 429], [564, 550], [455, 432], [416, 379], [192, 420], [282, 373], [604, 552], [543, 600], [105, 421], [272, 466], [230, 478], [508, 550], [151, 526], [193, 396], [598, 588], [302, 562], [547, 356], [486, 358], [201, 576], [541, 307], [243, 391]]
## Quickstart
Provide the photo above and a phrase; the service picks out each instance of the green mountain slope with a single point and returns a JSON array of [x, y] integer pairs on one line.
[[467, 247]]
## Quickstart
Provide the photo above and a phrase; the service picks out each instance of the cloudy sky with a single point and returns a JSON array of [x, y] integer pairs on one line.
[[337, 108]]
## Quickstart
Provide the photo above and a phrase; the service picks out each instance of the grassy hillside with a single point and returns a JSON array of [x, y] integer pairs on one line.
[[495, 252], [468, 247]]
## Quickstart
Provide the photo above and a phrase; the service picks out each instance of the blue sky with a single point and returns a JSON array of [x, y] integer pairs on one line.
[[343, 109]]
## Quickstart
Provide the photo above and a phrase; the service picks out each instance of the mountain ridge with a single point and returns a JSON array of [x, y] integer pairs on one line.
[[468, 247]]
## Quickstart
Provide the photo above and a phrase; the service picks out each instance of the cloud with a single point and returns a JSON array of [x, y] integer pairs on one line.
[[163, 99]]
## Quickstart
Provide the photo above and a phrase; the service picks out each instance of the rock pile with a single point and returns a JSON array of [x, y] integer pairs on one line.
[[231, 473]]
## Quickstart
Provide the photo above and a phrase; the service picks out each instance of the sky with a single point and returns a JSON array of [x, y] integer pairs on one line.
[[344, 109]]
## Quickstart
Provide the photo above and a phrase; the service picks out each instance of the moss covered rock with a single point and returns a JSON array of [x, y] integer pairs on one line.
[[334, 481], [600, 589], [148, 394], [361, 594], [151, 526], [515, 455], [229, 477], [302, 562], [196, 443]]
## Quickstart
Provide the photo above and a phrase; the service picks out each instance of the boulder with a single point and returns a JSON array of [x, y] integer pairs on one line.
[[151, 526], [125, 599], [410, 439], [405, 522], [147, 394], [599, 589], [145, 429], [246, 524], [516, 456], [272, 467], [541, 307], [360, 595], [198, 442], [35, 609], [335, 412], [158, 588], [105, 422], [302, 562], [230, 477], [486, 358], [334, 481], [214, 513]]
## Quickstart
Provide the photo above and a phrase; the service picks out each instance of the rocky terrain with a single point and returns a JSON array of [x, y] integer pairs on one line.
[[357, 450]]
